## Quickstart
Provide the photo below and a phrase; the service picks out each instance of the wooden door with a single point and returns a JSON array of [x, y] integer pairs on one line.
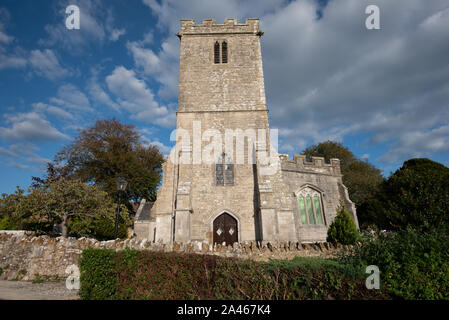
[[225, 229]]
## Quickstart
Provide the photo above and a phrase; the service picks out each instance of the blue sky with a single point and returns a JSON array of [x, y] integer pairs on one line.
[[382, 93]]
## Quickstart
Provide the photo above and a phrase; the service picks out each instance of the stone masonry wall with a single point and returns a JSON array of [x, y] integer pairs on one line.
[[27, 257], [208, 86], [213, 97]]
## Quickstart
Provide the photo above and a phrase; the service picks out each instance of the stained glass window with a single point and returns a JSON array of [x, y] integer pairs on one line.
[[302, 210], [319, 217], [310, 208]]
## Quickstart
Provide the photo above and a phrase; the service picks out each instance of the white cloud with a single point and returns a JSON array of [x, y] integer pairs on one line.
[[418, 144], [134, 95], [96, 26], [330, 77], [344, 79], [24, 156], [145, 58], [98, 94], [67, 108], [162, 66], [134, 92], [364, 156], [148, 38], [4, 38], [91, 30], [38, 160], [169, 12], [145, 133], [29, 126], [165, 150], [4, 19], [24, 149], [116, 33], [45, 63], [49, 109], [69, 96], [11, 61], [19, 165], [7, 153]]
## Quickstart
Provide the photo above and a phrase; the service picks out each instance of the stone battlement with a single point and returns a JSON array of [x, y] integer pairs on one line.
[[208, 26], [300, 162]]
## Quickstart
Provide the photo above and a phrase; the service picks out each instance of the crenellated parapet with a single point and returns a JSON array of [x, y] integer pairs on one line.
[[208, 26], [300, 162]]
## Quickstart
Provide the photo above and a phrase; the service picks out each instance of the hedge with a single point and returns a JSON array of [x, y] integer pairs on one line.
[[413, 264], [134, 274]]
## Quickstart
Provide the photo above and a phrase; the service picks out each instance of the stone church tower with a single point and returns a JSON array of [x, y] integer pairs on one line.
[[224, 181]]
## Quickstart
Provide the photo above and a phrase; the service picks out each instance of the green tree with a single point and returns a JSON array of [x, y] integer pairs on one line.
[[371, 214], [67, 201], [108, 150], [5, 224], [343, 229], [362, 180], [10, 210], [53, 173], [360, 177], [415, 195], [329, 150]]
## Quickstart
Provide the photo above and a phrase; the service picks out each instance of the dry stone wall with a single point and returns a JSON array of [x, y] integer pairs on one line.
[[27, 257]]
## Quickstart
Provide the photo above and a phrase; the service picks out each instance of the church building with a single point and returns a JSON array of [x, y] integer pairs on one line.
[[218, 191]]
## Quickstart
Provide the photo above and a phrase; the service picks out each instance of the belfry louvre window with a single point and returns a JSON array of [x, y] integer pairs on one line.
[[223, 58], [310, 206], [217, 52], [224, 52], [224, 171]]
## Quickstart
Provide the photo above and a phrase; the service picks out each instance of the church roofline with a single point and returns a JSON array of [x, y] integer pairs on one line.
[[211, 111], [300, 162], [230, 26]]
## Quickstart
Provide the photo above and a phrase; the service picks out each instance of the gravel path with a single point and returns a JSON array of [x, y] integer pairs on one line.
[[21, 290]]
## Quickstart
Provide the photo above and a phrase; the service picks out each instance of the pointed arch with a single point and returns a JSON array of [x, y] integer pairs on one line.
[[217, 52], [235, 216], [310, 205], [224, 52], [311, 186]]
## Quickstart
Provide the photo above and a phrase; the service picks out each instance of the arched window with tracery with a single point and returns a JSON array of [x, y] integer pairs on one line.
[[224, 171], [310, 206], [217, 52], [224, 52]]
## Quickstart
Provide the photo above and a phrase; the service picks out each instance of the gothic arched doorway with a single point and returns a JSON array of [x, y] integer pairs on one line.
[[225, 229]]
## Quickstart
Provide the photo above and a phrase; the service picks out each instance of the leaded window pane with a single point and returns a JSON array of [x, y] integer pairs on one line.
[[302, 210], [219, 174], [217, 52], [310, 210], [229, 174], [319, 216], [224, 52]]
